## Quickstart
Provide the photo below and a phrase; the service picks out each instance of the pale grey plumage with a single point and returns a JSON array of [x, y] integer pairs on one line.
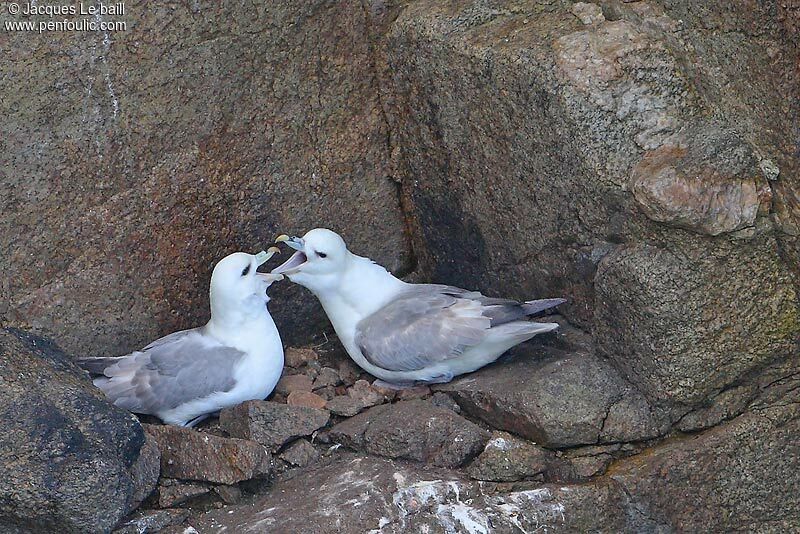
[[173, 370], [426, 324]]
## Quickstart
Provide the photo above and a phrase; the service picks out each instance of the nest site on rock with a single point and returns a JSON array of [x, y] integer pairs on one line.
[[637, 159]]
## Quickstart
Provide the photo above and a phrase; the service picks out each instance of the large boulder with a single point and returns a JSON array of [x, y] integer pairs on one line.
[[558, 399], [69, 460], [353, 494], [138, 158], [636, 159]]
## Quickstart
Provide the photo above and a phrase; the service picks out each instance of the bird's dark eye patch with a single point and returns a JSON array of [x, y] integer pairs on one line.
[[322, 255], [245, 270]]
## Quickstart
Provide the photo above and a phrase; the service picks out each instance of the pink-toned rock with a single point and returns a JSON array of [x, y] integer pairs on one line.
[[300, 453], [706, 187], [173, 492], [388, 393], [187, 454], [327, 377], [588, 13], [297, 357], [417, 392], [289, 383], [305, 398], [361, 395]]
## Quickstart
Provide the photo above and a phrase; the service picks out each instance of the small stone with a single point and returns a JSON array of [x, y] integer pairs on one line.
[[344, 405], [272, 424], [297, 357], [229, 494], [327, 393], [588, 13], [388, 393], [300, 454], [443, 400], [191, 455], [349, 372], [290, 383], [174, 492], [365, 393], [305, 398], [507, 459], [417, 392], [770, 169], [361, 395], [327, 377]]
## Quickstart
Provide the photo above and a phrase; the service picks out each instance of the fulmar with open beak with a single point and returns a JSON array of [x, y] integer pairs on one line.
[[185, 376], [407, 333]]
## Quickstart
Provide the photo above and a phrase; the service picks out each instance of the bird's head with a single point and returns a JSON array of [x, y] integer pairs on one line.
[[236, 283], [320, 260]]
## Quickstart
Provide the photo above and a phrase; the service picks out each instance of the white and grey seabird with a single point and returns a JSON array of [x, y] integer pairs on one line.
[[185, 376], [406, 333]]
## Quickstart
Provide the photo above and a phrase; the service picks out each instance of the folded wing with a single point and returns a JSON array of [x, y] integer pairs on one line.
[[171, 371], [430, 323]]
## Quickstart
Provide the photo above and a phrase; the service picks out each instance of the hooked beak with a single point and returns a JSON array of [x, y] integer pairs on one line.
[[293, 264], [261, 258], [294, 241]]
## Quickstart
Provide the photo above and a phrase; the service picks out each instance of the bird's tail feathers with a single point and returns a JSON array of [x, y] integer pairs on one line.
[[96, 366], [522, 330], [532, 307]]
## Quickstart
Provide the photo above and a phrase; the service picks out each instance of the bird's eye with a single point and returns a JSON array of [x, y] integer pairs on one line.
[[245, 270], [322, 255]]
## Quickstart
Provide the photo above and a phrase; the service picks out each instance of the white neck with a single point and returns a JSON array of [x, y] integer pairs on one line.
[[228, 319], [363, 289]]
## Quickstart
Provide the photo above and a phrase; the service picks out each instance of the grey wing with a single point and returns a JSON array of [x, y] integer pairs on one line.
[[501, 310], [423, 326], [168, 374], [173, 337]]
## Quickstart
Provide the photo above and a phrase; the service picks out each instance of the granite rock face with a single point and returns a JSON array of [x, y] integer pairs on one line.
[[614, 154], [69, 461], [638, 158], [138, 158], [741, 475]]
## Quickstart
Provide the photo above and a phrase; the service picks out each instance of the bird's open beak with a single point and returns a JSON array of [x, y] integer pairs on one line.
[[262, 258], [293, 264]]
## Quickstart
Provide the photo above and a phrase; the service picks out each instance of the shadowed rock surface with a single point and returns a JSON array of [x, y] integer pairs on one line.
[[69, 461], [138, 158]]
